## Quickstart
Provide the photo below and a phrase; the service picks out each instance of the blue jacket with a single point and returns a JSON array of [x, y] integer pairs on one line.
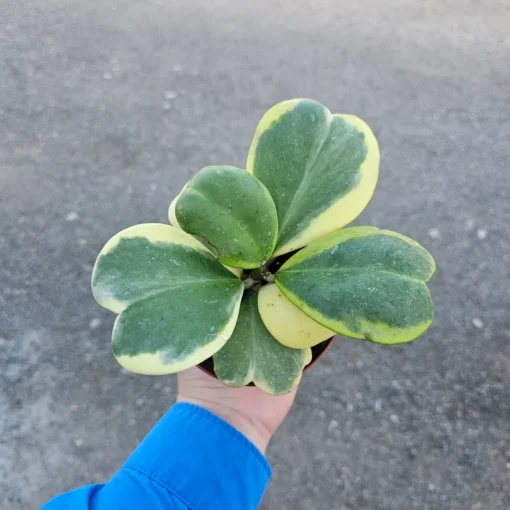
[[191, 460]]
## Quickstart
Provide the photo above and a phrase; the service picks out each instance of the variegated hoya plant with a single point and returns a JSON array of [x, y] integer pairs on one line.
[[207, 286]]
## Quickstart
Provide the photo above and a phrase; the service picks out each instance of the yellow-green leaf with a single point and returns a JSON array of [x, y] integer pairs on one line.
[[178, 305], [287, 323], [233, 211], [253, 355], [363, 283], [234, 270], [321, 169]]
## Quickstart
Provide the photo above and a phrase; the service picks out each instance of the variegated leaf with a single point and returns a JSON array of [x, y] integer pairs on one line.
[[321, 169], [178, 305], [363, 283], [233, 211], [253, 355]]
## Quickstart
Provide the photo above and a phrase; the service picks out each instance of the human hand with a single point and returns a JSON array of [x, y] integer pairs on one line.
[[249, 410]]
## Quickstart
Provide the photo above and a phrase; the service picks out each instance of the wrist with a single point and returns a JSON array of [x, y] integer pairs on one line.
[[252, 429]]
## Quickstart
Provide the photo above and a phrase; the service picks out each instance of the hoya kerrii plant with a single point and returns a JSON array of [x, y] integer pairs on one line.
[[256, 267]]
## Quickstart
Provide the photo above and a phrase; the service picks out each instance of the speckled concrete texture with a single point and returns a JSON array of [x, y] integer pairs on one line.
[[107, 108]]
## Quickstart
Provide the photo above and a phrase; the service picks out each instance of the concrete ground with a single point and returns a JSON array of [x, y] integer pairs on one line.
[[107, 108]]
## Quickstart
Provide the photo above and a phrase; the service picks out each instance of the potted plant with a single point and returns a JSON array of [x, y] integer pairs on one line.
[[257, 268]]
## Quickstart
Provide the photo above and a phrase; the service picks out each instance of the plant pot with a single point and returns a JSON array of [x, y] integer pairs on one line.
[[318, 350]]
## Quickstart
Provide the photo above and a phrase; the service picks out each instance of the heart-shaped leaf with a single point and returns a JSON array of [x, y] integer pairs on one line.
[[233, 211], [363, 283], [253, 355], [178, 305], [286, 322], [321, 169]]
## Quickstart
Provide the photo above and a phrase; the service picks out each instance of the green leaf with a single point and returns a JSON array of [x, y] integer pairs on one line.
[[321, 169], [234, 270], [253, 355], [233, 211], [178, 305], [363, 283], [286, 322], [171, 210]]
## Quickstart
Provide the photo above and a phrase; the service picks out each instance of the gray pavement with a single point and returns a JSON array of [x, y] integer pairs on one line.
[[107, 108]]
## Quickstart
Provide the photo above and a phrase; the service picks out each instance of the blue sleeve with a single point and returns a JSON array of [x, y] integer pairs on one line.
[[191, 460]]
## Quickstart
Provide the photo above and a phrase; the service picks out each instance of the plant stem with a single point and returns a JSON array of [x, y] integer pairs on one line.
[[257, 277], [249, 283], [266, 274]]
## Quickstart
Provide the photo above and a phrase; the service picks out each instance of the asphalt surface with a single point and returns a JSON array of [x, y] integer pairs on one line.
[[107, 108]]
